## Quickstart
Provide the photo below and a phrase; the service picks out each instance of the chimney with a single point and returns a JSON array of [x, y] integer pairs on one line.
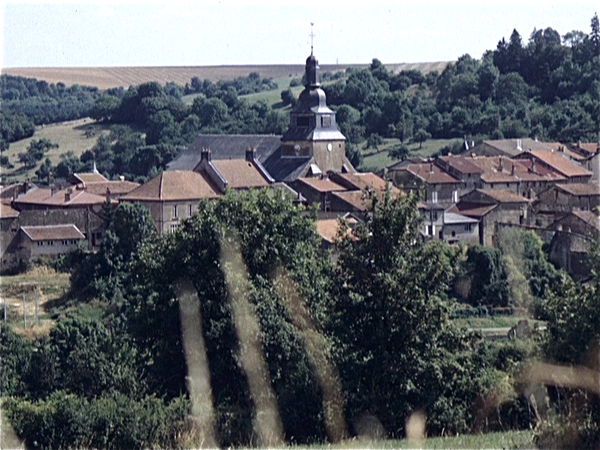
[[519, 145], [533, 168], [121, 178], [250, 154], [501, 164], [68, 195], [206, 154], [430, 167], [512, 171]]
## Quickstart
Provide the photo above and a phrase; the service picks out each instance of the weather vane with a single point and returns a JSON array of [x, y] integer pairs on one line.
[[312, 35]]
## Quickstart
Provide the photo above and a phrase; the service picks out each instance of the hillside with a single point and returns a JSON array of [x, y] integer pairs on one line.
[[109, 77]]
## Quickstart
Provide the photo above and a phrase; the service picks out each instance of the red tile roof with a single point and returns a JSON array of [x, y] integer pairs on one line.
[[476, 210], [321, 184], [240, 173], [558, 162], [53, 232], [115, 187], [462, 164], [589, 217], [7, 212], [89, 177], [328, 228], [356, 199], [365, 181], [431, 173], [174, 185], [64, 198], [502, 196], [580, 189]]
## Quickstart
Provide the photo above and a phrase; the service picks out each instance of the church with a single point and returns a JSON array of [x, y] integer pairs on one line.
[[312, 145]]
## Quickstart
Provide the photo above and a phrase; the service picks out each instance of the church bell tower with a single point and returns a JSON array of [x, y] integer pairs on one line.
[[313, 130]]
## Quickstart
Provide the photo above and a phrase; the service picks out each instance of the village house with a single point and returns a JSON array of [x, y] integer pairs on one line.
[[492, 207], [428, 180], [509, 147], [173, 195], [49, 240], [558, 162]]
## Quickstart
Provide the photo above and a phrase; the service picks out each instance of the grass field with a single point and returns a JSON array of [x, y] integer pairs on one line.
[[70, 136], [52, 288], [504, 440], [376, 160], [109, 77]]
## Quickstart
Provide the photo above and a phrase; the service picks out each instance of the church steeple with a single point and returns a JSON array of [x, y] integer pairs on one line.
[[313, 132]]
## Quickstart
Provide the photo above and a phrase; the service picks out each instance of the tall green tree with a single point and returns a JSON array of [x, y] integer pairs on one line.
[[395, 340]]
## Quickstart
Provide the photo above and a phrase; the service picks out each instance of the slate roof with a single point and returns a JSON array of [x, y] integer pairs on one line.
[[226, 146], [452, 218], [175, 185], [286, 168], [240, 173], [510, 146], [53, 232], [580, 189]]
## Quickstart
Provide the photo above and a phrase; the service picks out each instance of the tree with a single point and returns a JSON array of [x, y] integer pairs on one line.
[[272, 236], [287, 97], [421, 136], [399, 152], [394, 337]]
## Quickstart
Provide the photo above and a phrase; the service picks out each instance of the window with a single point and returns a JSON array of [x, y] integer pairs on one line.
[[434, 196], [174, 211], [51, 243], [191, 211], [173, 227], [302, 121], [434, 215], [469, 227], [454, 196]]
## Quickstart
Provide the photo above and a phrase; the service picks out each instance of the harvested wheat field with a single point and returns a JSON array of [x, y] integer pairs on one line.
[[109, 77]]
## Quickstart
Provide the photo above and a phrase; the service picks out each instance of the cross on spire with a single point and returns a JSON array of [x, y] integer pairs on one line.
[[312, 35]]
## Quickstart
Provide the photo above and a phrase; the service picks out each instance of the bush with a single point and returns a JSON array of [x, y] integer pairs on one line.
[[68, 421]]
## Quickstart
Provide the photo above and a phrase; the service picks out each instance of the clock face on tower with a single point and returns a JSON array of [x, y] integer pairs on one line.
[[329, 147]]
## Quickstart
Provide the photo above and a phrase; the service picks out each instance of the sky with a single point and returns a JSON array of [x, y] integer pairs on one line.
[[174, 33]]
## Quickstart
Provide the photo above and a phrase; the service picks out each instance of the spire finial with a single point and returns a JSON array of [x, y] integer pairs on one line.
[[312, 35]]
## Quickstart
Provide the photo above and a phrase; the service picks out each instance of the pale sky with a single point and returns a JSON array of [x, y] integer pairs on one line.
[[136, 33]]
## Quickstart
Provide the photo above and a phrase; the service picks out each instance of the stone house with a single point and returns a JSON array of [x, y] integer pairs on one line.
[[174, 194], [509, 147], [558, 162], [434, 184], [49, 240], [492, 207], [569, 197]]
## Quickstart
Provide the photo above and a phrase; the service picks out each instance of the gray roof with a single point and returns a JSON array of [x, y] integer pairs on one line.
[[454, 218], [286, 168], [226, 146]]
